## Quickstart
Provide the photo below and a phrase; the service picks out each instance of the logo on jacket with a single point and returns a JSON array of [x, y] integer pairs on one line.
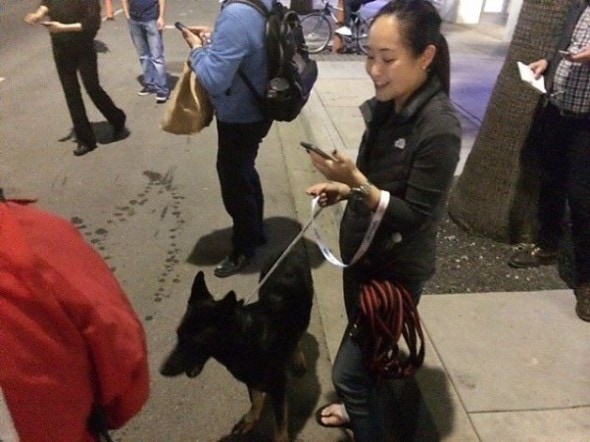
[[400, 143]]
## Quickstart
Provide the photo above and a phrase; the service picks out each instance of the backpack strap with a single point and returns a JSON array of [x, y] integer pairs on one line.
[[263, 10], [256, 4]]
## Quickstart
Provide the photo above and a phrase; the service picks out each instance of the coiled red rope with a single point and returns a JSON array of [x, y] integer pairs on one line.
[[387, 313]]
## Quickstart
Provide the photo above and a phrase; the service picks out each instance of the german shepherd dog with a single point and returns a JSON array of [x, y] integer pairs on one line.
[[255, 342]]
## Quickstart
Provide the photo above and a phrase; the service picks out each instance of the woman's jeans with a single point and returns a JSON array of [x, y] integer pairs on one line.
[[355, 385], [149, 44]]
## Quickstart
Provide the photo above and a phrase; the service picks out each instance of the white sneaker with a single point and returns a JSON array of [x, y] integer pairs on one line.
[[344, 31]]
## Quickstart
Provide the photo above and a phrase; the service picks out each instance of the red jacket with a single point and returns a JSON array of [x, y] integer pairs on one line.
[[68, 335]]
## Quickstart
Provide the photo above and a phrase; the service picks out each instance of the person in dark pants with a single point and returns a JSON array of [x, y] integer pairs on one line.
[[237, 43], [241, 190], [562, 147], [73, 26]]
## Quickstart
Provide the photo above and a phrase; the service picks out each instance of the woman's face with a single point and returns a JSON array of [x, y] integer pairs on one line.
[[396, 72]]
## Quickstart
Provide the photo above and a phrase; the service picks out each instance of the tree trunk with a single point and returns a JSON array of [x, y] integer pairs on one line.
[[496, 195]]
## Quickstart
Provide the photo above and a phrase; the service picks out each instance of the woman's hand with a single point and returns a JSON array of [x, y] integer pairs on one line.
[[329, 193], [344, 170]]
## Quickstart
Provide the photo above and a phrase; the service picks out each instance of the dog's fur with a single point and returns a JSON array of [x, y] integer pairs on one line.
[[255, 342]]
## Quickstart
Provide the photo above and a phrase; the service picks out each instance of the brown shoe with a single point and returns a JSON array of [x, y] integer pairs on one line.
[[583, 301], [532, 256]]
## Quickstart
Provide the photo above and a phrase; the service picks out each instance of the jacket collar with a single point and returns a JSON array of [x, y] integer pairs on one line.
[[371, 110]]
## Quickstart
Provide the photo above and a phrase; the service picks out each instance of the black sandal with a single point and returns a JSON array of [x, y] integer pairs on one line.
[[343, 416]]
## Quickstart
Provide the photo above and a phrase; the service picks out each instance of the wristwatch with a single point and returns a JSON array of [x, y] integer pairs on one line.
[[360, 193]]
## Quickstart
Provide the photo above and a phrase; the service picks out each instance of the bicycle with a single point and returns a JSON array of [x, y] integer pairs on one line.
[[318, 29]]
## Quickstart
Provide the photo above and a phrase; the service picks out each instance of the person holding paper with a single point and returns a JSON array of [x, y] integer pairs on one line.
[[563, 150]]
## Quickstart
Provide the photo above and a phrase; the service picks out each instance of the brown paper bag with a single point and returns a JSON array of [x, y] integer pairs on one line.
[[188, 110]]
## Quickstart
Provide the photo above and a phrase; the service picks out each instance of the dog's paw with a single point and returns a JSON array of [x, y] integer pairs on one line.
[[298, 365], [298, 370], [245, 425]]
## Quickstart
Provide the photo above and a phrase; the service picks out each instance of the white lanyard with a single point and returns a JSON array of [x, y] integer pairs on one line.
[[369, 234]]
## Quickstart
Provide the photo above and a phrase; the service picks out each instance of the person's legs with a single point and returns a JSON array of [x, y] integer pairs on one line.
[[157, 62], [352, 380], [355, 386], [548, 145], [579, 203], [241, 190], [66, 62], [89, 74], [553, 166], [138, 32]]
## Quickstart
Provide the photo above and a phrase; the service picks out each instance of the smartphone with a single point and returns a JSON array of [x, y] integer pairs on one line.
[[320, 152], [181, 26]]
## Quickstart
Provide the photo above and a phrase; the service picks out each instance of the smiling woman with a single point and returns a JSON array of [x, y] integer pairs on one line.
[[404, 168]]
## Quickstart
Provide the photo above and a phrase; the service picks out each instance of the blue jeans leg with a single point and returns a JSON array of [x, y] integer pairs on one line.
[[149, 44], [362, 397]]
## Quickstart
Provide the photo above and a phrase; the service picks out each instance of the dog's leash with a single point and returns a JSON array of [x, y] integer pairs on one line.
[[280, 259]]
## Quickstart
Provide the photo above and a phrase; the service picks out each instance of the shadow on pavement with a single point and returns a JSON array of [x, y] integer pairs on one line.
[[211, 248]]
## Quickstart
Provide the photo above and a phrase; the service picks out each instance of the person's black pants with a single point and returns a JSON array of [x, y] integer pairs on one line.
[[241, 190], [563, 148], [81, 57]]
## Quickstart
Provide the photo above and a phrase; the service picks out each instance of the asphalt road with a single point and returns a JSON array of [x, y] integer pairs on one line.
[[150, 204]]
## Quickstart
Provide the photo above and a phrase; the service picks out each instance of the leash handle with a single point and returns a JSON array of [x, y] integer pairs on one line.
[[280, 259]]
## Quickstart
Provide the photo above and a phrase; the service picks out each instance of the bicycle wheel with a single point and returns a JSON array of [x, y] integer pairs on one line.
[[317, 31], [362, 34]]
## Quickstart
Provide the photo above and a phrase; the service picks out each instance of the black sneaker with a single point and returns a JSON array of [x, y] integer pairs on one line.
[[161, 98], [119, 129], [231, 265], [146, 90], [83, 149], [532, 256]]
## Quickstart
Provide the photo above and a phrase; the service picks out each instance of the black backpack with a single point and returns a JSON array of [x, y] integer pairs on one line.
[[291, 73]]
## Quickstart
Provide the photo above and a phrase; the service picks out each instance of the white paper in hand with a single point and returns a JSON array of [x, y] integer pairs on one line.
[[527, 75]]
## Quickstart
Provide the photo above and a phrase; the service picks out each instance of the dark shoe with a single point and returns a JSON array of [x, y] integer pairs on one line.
[[532, 256], [119, 129], [231, 265], [146, 90], [583, 302], [83, 149], [161, 98]]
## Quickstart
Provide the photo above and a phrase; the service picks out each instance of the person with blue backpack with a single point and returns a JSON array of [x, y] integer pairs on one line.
[[236, 44]]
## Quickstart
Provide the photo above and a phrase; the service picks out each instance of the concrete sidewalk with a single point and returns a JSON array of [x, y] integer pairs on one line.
[[499, 366]]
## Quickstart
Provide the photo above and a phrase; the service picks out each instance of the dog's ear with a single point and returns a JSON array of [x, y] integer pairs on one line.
[[229, 302], [199, 289]]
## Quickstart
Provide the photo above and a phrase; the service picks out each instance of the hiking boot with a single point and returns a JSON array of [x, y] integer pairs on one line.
[[532, 256], [231, 265], [583, 302]]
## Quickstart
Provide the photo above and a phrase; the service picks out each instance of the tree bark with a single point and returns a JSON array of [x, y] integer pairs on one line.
[[496, 195]]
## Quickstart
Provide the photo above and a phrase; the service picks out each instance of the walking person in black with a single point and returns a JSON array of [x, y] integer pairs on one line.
[[73, 26]]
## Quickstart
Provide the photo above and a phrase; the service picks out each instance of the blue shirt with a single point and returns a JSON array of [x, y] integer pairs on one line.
[[238, 42], [144, 10]]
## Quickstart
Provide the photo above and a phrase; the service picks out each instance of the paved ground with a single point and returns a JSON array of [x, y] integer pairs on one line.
[[500, 366]]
